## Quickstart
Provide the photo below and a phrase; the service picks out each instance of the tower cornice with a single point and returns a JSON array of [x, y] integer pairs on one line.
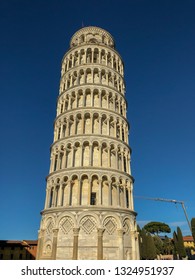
[[94, 30]]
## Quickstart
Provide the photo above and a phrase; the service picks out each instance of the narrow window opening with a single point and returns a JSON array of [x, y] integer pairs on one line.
[[125, 165], [123, 135], [59, 133], [127, 198], [93, 198], [55, 163], [51, 198], [61, 111]]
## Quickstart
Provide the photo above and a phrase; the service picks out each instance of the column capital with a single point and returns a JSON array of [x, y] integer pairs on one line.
[[100, 231], [55, 231], [41, 233], [120, 232], [76, 231]]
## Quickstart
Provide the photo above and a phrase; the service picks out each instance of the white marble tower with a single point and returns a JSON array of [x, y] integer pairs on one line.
[[89, 212]]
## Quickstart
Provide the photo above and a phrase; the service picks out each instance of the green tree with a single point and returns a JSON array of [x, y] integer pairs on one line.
[[157, 227], [175, 245], [159, 244], [167, 246], [147, 246], [143, 245], [179, 244], [193, 227], [151, 249]]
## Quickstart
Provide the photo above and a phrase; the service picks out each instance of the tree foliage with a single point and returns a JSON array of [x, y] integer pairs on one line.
[[159, 244], [168, 246], [175, 245], [157, 227], [147, 246], [179, 244], [193, 227], [151, 248]]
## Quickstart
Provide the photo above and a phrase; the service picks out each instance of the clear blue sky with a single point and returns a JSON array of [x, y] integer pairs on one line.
[[156, 40]]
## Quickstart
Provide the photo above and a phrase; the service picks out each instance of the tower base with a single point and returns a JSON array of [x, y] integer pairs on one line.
[[88, 234]]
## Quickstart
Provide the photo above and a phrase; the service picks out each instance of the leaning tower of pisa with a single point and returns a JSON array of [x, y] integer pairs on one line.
[[89, 212]]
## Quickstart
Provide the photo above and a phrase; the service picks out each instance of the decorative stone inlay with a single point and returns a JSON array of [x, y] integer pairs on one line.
[[88, 224], [126, 227], [67, 225], [110, 225], [50, 227]]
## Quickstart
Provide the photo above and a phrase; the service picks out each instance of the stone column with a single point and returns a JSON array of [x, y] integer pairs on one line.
[[47, 198], [112, 61], [79, 193], [106, 58], [92, 55], [127, 135], [131, 188], [114, 102], [129, 163], [75, 125], [54, 243], [122, 161], [92, 98], [100, 193], [115, 128], [108, 126], [40, 243], [67, 128], [71, 83], [135, 247], [117, 162], [109, 193], [107, 81], [89, 191], [118, 194], [81, 155], [129, 198], [100, 125], [79, 58], [82, 123], [52, 160], [84, 99], [85, 56], [120, 244], [125, 197], [100, 155], [75, 243], [85, 77], [109, 156], [66, 84], [120, 128], [91, 123], [100, 244], [100, 78], [72, 157], [64, 160], [59, 164], [73, 60], [69, 193], [90, 154], [117, 84], [59, 202]]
